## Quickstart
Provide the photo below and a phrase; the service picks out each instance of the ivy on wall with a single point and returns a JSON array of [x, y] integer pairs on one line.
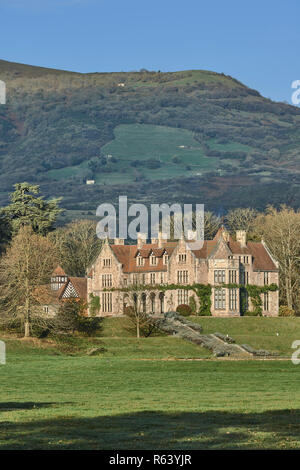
[[203, 292], [94, 304], [254, 293]]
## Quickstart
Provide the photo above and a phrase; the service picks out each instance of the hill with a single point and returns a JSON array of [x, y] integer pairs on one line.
[[149, 135]]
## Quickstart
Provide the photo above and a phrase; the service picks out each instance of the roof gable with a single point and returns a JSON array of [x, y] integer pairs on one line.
[[76, 287], [262, 260], [58, 271], [221, 250], [126, 255]]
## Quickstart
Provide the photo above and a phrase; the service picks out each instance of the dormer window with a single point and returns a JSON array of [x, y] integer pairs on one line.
[[153, 260], [139, 260], [182, 258]]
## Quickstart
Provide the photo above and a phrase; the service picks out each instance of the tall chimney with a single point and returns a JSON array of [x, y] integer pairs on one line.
[[241, 237]]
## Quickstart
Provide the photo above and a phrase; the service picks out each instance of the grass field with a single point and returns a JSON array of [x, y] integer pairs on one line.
[[137, 394], [142, 142]]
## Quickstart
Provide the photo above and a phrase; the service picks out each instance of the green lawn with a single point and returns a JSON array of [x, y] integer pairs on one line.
[[258, 332], [61, 402], [138, 394]]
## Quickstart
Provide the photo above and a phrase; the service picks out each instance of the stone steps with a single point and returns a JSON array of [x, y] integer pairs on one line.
[[220, 345]]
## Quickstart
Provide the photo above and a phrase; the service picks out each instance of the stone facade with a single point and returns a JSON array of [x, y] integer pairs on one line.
[[220, 261]]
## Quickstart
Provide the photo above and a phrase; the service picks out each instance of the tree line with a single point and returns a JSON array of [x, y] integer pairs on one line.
[[32, 246]]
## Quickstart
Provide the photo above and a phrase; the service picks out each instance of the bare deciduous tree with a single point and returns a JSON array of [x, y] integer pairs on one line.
[[24, 269], [241, 219], [136, 309], [212, 223], [280, 229], [77, 245]]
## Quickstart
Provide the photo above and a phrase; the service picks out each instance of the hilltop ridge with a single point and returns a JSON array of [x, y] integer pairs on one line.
[[149, 135]]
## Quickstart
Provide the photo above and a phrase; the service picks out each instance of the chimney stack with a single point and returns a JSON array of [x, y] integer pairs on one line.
[[241, 237], [119, 241]]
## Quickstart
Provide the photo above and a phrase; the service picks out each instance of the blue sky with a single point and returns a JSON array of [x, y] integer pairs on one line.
[[256, 42]]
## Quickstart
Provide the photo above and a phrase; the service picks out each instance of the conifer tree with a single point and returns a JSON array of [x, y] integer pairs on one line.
[[27, 208]]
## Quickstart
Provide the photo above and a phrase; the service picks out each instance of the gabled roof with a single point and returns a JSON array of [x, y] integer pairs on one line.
[[220, 241], [77, 287], [47, 296], [58, 271], [126, 255], [221, 233], [262, 261]]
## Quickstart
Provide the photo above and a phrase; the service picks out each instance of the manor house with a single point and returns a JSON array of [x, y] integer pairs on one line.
[[221, 261]]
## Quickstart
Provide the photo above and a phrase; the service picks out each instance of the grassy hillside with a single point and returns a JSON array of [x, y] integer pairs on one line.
[[273, 334], [117, 339], [128, 131]]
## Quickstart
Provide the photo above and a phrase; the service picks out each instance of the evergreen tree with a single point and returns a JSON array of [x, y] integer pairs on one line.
[[27, 208]]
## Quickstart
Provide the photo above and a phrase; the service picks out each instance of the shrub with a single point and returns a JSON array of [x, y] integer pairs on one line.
[[204, 313], [94, 304], [71, 317], [152, 164], [89, 325], [184, 310], [285, 311], [253, 313]]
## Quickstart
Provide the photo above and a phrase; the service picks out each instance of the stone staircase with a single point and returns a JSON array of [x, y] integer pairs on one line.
[[174, 324]]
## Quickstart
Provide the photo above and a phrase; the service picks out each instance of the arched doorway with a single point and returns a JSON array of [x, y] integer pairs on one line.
[[144, 302], [152, 302], [135, 301], [126, 302], [162, 302]]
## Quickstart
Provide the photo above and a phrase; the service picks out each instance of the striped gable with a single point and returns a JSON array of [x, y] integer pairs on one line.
[[69, 291], [75, 288]]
